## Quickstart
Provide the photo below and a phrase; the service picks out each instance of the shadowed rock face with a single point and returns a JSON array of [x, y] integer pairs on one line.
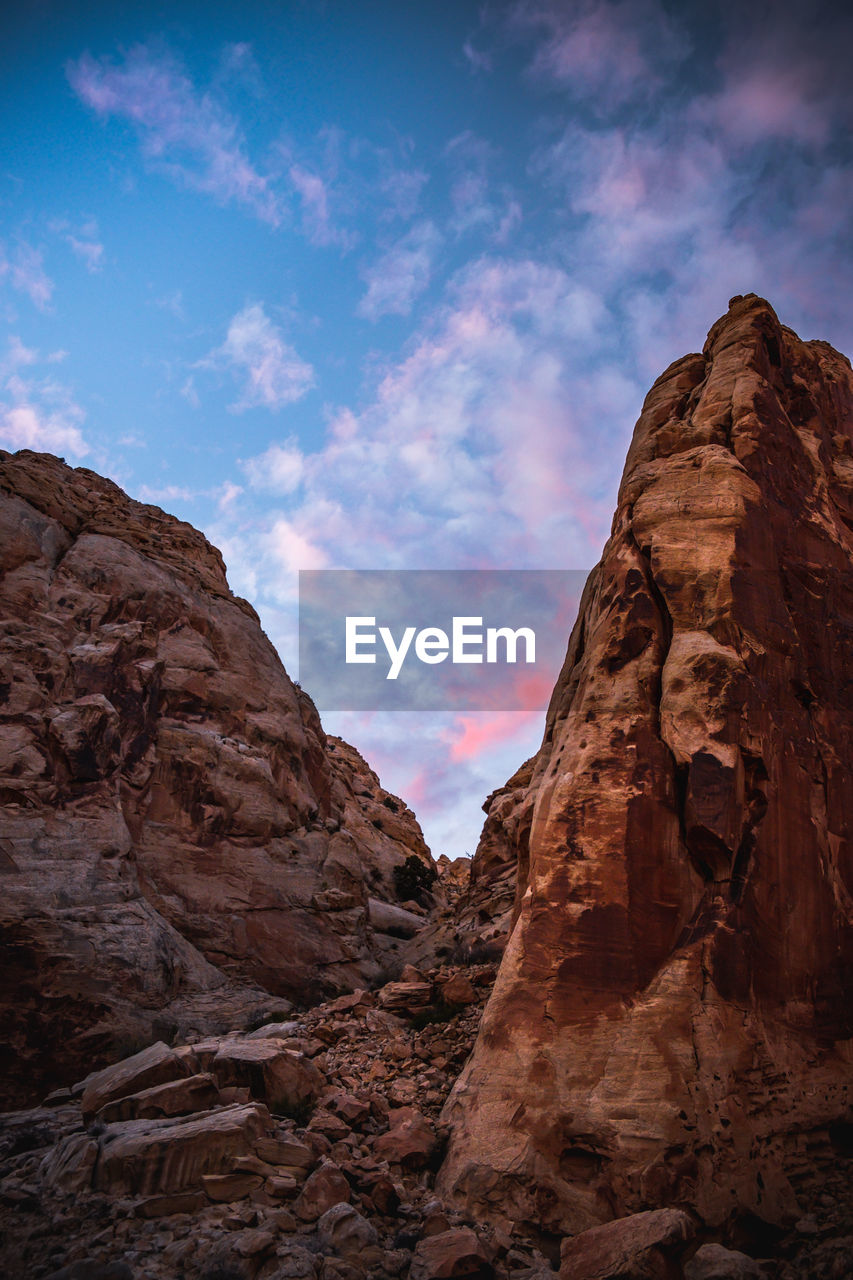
[[671, 1023], [177, 838]]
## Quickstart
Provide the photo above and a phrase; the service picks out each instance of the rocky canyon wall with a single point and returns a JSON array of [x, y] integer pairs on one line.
[[671, 1023], [179, 841]]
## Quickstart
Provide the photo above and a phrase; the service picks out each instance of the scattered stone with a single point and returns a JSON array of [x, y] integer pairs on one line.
[[91, 1270], [458, 1252], [326, 1187], [714, 1262], [294, 1262], [344, 1231]]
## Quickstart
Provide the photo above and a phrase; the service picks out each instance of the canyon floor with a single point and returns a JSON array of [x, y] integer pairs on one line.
[[324, 1128]]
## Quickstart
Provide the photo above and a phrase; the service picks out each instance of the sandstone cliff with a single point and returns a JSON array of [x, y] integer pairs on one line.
[[178, 840], [671, 1023]]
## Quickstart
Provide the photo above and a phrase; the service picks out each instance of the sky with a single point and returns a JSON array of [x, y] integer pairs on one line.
[[383, 285]]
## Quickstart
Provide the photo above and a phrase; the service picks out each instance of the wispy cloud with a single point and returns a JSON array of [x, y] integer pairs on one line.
[[479, 204], [255, 352], [401, 274], [158, 494], [607, 52], [90, 252], [477, 59], [83, 241], [24, 269], [313, 192], [185, 133]]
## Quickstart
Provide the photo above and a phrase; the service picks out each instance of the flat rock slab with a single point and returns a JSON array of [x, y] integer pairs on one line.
[[157, 1157], [403, 997], [178, 1097], [158, 1064], [625, 1247]]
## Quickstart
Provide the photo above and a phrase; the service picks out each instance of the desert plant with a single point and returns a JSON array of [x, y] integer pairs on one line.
[[413, 878]]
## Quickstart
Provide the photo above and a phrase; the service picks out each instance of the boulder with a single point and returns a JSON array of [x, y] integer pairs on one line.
[[410, 1142], [148, 1157], [343, 1231], [635, 1247], [715, 1262], [285, 1080], [405, 997], [325, 1188], [453, 1253]]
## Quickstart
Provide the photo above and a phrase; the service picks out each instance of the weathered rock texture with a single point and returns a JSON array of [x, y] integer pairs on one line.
[[671, 1024], [178, 838]]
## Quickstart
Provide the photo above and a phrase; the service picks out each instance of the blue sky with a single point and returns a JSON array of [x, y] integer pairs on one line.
[[383, 286]]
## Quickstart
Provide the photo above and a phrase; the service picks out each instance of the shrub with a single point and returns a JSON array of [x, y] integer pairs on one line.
[[413, 878]]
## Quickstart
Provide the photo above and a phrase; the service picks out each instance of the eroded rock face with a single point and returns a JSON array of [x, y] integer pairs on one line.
[[671, 1023], [178, 839]]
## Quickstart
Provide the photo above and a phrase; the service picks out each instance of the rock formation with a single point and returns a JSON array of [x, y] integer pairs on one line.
[[672, 1020], [178, 839]]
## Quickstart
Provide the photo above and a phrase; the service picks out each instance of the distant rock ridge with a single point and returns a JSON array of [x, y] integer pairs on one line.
[[181, 847], [672, 1022]]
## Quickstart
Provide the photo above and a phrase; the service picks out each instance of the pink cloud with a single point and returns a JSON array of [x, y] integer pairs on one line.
[[313, 192], [184, 133], [39, 413], [443, 767], [603, 51], [471, 735]]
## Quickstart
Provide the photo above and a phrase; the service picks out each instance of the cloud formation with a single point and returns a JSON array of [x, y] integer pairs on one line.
[[188, 135], [24, 269], [401, 274], [255, 353], [37, 412]]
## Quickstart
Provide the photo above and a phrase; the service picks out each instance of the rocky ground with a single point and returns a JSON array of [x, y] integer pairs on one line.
[[309, 1148], [304, 1148]]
